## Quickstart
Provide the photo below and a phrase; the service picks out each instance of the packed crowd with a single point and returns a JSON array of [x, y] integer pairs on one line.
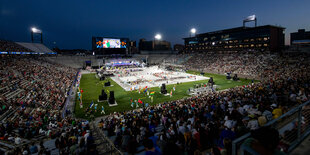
[[249, 64], [8, 46], [71, 136], [213, 120], [33, 93]]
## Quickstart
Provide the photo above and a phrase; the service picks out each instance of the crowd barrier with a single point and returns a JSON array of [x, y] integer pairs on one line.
[[68, 99], [293, 127]]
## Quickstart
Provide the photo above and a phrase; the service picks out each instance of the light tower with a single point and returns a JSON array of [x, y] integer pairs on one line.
[[193, 32], [35, 33], [158, 38]]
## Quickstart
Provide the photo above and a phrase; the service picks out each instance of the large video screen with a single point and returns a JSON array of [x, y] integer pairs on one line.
[[110, 43]]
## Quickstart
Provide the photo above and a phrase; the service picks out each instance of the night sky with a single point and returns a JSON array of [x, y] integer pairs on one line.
[[71, 24]]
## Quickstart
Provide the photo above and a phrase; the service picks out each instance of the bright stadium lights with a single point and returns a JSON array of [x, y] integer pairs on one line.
[[36, 35], [35, 30], [193, 31], [158, 36]]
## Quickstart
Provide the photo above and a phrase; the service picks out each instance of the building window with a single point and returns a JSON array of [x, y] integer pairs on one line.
[[265, 39], [252, 45], [252, 40], [265, 45], [246, 40]]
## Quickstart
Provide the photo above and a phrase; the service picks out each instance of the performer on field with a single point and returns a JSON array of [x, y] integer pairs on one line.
[[102, 110]]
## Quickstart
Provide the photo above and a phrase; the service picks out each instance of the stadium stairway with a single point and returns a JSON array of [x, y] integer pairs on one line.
[[8, 115], [4, 147], [303, 148], [103, 144]]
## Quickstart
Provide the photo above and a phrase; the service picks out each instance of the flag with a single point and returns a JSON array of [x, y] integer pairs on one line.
[[139, 101], [145, 90], [82, 90], [250, 18], [152, 99], [92, 104], [171, 92], [152, 93]]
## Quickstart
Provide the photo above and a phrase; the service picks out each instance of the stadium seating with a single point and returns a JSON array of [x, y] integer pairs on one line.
[[8, 46], [215, 119], [71, 61], [33, 91], [35, 47]]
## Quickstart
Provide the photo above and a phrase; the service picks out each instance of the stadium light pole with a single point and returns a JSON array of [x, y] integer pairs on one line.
[[157, 37], [193, 31], [38, 31]]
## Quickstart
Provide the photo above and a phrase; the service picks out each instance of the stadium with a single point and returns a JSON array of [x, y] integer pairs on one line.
[[230, 91]]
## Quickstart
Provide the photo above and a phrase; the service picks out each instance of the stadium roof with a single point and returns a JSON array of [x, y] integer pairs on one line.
[[234, 30]]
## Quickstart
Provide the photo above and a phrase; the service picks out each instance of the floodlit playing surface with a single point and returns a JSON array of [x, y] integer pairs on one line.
[[153, 77]]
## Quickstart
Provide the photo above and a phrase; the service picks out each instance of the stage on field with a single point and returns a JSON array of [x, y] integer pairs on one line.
[[152, 77]]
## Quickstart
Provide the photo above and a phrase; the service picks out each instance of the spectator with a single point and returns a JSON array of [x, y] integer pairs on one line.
[[150, 149]]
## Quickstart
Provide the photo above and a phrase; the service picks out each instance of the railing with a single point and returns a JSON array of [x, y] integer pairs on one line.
[[68, 99], [293, 127]]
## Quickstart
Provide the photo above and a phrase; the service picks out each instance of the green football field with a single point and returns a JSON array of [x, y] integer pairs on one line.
[[92, 87]]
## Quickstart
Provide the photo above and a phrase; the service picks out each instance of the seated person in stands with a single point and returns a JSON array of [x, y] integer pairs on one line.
[[263, 141], [150, 149]]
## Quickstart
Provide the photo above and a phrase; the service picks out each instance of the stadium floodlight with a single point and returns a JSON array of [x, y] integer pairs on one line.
[[35, 30], [158, 36], [193, 31]]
